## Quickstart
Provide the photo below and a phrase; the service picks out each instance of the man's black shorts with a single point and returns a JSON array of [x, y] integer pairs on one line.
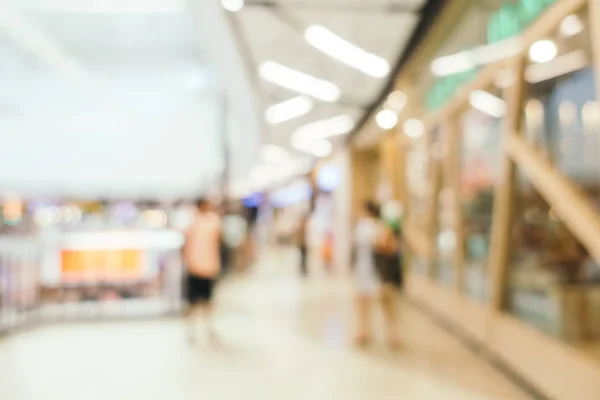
[[199, 289]]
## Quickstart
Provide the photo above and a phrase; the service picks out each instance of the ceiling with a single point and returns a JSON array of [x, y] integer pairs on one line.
[[274, 31], [135, 98], [121, 101]]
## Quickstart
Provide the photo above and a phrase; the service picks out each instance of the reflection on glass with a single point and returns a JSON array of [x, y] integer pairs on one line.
[[479, 174], [554, 283]]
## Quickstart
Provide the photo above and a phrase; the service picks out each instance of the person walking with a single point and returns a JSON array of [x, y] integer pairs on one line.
[[372, 241], [201, 254], [302, 244]]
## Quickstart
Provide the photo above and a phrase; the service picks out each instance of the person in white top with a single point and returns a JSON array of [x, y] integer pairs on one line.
[[201, 255], [370, 240]]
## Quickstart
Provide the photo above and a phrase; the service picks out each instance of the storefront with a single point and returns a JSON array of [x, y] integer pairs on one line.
[[501, 190]]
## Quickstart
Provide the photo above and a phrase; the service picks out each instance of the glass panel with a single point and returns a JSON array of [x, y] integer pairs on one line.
[[554, 284], [481, 135], [562, 117]]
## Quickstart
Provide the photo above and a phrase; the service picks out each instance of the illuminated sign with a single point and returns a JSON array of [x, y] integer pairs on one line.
[[101, 265]]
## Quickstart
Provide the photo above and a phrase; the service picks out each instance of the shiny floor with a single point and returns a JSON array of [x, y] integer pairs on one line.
[[279, 338]]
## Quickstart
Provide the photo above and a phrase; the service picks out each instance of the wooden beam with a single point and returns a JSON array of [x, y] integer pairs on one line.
[[432, 225], [505, 191], [568, 201], [453, 169]]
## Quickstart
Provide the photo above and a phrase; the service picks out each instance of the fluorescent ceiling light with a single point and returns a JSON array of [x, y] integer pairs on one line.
[[413, 128], [571, 25], [386, 119], [323, 129], [336, 47], [396, 101], [487, 103], [274, 154], [288, 109], [298, 81], [543, 51], [561, 65], [232, 5]]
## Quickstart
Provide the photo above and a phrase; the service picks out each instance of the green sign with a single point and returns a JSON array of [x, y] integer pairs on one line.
[[510, 20]]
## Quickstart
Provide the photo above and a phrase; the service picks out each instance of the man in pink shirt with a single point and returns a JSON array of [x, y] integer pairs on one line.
[[201, 255]]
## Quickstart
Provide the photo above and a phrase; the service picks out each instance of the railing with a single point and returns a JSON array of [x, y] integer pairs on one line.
[[51, 279]]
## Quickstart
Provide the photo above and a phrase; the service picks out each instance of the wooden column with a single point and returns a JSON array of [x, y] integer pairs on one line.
[[499, 257], [453, 136], [357, 186], [390, 163], [433, 190], [403, 148]]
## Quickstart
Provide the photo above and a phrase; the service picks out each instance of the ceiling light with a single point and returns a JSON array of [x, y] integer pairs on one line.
[[413, 128], [232, 5], [298, 81], [273, 154], [288, 110], [396, 101], [571, 25], [488, 103], [336, 47], [561, 65], [543, 51], [323, 129], [386, 119]]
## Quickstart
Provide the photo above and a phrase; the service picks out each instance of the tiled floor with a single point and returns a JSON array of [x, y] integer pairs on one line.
[[279, 339]]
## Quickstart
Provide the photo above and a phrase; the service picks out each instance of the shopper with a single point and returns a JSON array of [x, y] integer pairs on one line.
[[302, 245], [201, 253], [372, 239]]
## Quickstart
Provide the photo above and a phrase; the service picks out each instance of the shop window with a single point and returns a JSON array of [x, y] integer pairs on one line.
[[417, 169], [554, 283], [445, 238], [480, 169], [562, 115]]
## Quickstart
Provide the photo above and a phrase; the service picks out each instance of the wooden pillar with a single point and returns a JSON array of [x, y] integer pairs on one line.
[[403, 148], [453, 168], [357, 185], [499, 257], [390, 163], [433, 190]]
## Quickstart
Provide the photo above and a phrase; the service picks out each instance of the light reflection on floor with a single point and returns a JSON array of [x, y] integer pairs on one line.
[[280, 338]]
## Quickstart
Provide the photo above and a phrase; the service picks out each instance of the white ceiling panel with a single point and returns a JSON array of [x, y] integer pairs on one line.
[[117, 99], [274, 30]]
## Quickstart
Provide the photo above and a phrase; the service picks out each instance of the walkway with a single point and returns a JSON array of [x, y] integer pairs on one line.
[[280, 339]]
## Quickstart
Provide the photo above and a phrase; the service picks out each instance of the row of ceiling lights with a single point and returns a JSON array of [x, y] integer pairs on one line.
[[313, 138]]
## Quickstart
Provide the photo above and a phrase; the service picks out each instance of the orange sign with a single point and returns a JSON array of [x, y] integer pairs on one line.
[[101, 265]]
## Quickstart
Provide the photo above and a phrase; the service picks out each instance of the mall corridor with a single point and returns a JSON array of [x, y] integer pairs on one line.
[[280, 338]]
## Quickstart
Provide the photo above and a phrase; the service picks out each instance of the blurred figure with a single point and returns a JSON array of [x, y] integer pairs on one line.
[[372, 239], [201, 254], [302, 244]]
